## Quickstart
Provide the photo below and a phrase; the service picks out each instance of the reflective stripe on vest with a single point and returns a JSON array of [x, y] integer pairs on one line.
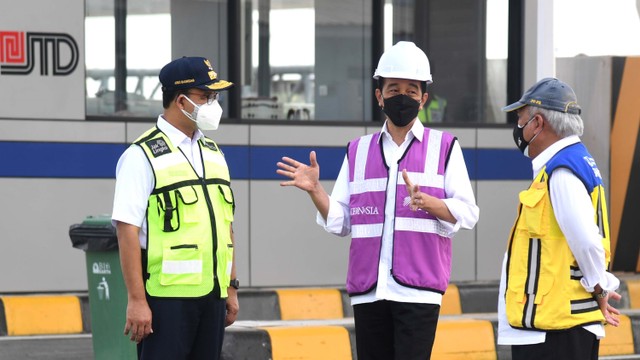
[[189, 219], [543, 277], [423, 258]]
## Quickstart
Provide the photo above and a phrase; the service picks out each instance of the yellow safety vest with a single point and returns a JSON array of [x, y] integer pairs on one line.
[[189, 220], [434, 112], [543, 277]]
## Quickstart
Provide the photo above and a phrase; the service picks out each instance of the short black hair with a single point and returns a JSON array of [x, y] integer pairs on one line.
[[423, 84], [169, 96]]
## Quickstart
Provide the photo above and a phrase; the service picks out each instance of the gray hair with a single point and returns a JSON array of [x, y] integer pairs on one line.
[[563, 124]]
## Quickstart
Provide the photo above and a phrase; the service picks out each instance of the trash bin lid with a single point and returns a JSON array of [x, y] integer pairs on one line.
[[95, 233], [103, 219]]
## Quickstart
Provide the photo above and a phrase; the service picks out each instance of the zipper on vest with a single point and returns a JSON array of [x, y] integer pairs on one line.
[[185, 246], [393, 224], [214, 232]]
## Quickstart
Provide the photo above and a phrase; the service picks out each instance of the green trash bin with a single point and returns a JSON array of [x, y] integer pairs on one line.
[[107, 291]]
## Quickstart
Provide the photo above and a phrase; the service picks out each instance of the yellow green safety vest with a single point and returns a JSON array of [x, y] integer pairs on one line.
[[434, 112], [543, 277], [189, 249]]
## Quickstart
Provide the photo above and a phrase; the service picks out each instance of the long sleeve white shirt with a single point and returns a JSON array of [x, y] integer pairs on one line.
[[135, 181], [460, 201], [574, 214]]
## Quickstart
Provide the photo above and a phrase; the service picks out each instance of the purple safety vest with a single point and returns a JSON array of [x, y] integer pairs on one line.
[[421, 256]]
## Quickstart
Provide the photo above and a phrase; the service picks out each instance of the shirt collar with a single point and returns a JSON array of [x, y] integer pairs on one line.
[[539, 161], [417, 131], [176, 136]]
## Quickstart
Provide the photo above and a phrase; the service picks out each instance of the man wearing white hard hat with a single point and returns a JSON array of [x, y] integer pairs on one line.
[[402, 194]]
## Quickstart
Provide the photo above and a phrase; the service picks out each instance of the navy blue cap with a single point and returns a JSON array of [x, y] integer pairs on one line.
[[549, 93], [191, 72]]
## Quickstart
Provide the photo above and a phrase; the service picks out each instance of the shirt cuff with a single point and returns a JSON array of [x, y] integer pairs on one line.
[[609, 283], [451, 229]]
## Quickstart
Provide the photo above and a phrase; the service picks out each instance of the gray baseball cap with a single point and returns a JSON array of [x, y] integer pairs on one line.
[[548, 93]]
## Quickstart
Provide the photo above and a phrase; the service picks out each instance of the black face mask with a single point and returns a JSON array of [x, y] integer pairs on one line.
[[401, 109], [518, 137]]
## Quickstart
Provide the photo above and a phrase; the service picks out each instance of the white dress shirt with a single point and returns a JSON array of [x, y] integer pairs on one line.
[[135, 180], [460, 201], [574, 213]]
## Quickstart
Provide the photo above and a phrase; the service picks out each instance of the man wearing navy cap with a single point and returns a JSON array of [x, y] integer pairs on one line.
[[555, 288], [173, 209]]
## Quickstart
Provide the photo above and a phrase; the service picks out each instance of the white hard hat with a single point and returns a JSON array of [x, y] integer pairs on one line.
[[404, 61]]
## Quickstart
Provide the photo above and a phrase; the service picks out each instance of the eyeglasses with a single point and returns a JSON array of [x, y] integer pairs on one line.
[[211, 97]]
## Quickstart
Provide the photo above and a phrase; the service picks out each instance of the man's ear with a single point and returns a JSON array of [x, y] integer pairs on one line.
[[379, 98], [539, 120], [425, 97], [179, 101]]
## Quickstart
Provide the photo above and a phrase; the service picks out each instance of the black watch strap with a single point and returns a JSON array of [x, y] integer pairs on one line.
[[234, 283]]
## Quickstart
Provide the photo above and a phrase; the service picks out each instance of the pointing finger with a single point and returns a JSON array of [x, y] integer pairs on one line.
[[405, 176]]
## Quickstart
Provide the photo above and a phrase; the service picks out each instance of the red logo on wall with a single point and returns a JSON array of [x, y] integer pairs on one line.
[[58, 53]]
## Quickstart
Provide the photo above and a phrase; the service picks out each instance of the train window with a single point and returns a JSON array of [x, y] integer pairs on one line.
[[307, 60], [148, 39], [302, 59], [468, 65]]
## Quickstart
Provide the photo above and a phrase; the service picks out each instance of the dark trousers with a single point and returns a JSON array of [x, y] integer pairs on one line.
[[185, 329], [572, 344], [387, 330]]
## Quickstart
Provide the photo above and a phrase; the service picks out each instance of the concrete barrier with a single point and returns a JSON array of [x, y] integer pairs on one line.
[[41, 314], [317, 323], [470, 336], [309, 304], [332, 303]]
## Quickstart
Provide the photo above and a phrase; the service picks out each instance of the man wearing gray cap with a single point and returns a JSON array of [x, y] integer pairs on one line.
[[555, 288], [173, 209]]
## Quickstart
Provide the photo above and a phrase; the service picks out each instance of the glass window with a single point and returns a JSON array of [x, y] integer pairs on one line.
[[465, 42], [496, 53], [148, 48], [309, 60], [300, 59]]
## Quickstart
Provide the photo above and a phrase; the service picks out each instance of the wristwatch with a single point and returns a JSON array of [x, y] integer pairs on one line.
[[603, 294], [234, 283], [599, 295]]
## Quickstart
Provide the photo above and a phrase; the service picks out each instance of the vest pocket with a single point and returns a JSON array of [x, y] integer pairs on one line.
[[181, 265], [544, 287], [228, 203], [188, 196], [226, 259], [519, 290], [516, 289], [533, 212]]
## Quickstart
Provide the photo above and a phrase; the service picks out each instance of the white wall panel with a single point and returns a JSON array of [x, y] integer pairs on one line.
[[242, 240], [498, 202], [496, 138], [288, 248], [62, 131], [35, 248], [293, 135], [463, 261]]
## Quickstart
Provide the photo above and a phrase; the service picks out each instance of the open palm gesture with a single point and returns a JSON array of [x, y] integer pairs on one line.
[[305, 177]]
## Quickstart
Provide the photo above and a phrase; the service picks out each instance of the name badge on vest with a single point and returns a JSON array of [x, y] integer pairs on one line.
[[210, 145], [158, 147]]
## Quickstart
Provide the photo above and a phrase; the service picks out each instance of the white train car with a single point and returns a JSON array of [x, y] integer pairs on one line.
[[58, 153]]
